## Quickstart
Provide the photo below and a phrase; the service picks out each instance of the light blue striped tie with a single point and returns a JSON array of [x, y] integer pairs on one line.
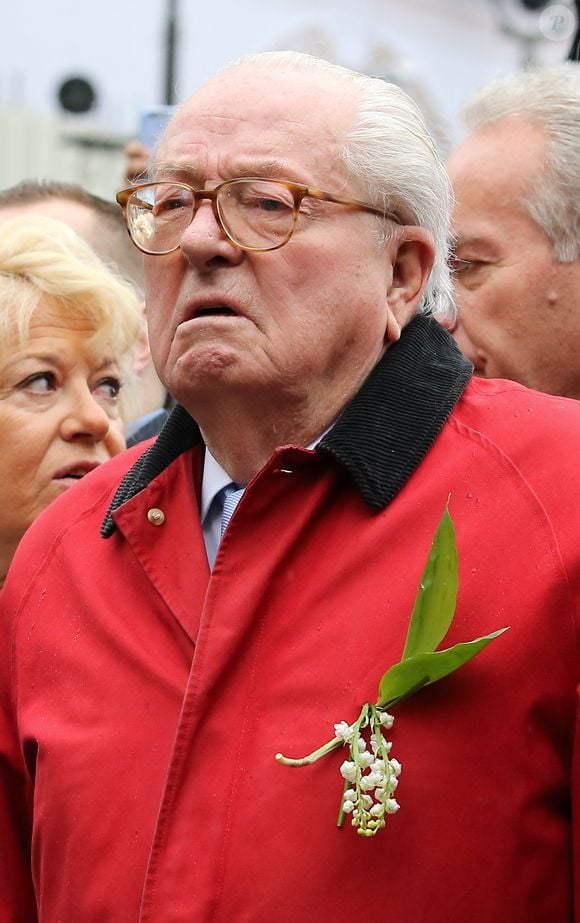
[[232, 494]]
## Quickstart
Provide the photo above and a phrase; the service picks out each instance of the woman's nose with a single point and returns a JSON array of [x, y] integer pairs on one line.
[[84, 417]]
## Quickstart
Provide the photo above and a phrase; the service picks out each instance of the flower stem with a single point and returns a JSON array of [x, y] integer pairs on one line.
[[328, 747], [340, 818]]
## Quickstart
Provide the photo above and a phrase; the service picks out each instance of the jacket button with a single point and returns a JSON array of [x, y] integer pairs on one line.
[[156, 517]]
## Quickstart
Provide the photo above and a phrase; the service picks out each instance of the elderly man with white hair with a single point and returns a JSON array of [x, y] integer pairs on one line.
[[516, 178], [207, 644]]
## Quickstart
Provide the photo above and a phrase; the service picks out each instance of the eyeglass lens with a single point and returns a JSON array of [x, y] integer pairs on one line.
[[254, 213]]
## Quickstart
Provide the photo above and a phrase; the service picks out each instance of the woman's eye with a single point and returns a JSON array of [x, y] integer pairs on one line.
[[39, 383], [108, 389]]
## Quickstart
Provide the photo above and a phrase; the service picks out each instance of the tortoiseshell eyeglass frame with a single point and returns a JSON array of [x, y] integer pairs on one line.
[[298, 191]]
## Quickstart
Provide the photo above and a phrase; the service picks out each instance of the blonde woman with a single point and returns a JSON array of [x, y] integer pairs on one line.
[[68, 328]]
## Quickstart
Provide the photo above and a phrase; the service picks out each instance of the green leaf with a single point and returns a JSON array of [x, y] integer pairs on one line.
[[425, 668], [435, 601]]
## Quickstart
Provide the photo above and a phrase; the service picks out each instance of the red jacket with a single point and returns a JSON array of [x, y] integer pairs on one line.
[[143, 698]]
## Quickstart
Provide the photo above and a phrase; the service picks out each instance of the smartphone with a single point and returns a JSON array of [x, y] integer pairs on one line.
[[153, 121]]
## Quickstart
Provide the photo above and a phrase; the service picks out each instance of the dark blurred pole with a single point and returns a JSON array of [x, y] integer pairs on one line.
[[574, 54], [170, 52]]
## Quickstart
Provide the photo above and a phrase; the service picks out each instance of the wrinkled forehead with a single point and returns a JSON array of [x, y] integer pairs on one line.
[[510, 153], [285, 115]]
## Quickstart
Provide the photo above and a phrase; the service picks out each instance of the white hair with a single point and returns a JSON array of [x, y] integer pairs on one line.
[[392, 155], [549, 97]]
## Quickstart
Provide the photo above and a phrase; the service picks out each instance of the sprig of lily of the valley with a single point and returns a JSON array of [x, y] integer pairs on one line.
[[371, 773]]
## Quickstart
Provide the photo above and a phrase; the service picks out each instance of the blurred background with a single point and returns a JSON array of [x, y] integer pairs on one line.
[[79, 80]]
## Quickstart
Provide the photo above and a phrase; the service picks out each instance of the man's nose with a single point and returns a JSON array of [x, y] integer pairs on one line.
[[204, 241]]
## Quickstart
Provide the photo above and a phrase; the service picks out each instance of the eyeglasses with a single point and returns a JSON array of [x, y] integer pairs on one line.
[[255, 214]]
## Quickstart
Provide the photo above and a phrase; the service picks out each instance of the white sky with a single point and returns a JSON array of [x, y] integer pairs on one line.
[[451, 46]]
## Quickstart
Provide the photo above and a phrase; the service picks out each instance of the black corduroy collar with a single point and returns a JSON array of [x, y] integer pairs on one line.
[[382, 434], [391, 423]]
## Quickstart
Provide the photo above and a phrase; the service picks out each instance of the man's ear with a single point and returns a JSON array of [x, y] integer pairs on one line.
[[412, 254]]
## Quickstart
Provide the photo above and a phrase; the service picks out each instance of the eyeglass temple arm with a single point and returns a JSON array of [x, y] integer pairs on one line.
[[124, 196], [141, 204], [354, 203]]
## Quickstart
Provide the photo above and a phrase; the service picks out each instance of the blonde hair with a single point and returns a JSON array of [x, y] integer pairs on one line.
[[45, 265]]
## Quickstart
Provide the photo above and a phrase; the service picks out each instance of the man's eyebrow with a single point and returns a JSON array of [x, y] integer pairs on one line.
[[187, 172], [458, 240], [273, 169], [190, 173], [471, 240]]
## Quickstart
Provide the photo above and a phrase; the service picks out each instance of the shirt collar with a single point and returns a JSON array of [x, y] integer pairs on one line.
[[215, 478], [213, 481]]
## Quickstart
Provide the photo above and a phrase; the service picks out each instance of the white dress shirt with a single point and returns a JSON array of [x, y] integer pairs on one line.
[[213, 482]]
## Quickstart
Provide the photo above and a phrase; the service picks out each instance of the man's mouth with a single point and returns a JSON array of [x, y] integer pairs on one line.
[[221, 310]]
